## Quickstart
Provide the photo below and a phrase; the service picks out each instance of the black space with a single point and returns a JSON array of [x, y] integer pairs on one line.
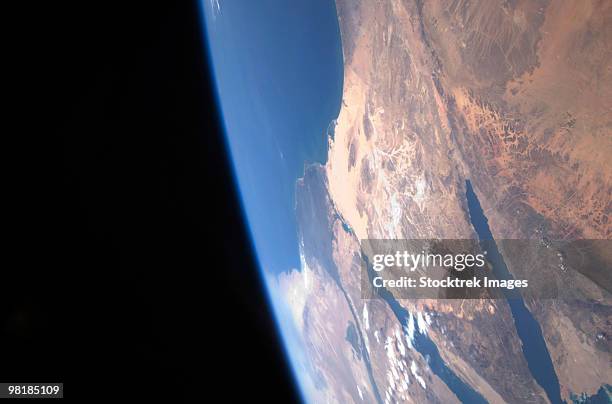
[[128, 274]]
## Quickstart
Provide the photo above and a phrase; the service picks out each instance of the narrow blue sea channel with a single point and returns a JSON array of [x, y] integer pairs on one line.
[[426, 347], [528, 329]]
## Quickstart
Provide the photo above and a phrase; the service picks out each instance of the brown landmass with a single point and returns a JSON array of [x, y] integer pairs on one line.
[[515, 96]]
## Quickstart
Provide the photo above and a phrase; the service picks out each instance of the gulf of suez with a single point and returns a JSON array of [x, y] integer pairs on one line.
[[448, 282]]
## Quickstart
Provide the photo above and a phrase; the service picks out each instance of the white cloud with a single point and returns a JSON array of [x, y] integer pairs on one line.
[[366, 319], [423, 325], [410, 332], [215, 8], [414, 369]]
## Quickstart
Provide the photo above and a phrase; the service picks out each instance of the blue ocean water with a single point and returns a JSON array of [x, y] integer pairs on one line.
[[527, 327], [278, 68], [279, 72]]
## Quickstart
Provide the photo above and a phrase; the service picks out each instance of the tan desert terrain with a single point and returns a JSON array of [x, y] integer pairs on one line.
[[515, 96]]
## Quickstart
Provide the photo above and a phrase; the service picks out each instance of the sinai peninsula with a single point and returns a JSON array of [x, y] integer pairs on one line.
[[461, 120]]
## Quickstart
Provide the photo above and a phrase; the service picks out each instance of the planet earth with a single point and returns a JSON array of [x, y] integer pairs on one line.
[[404, 119]]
